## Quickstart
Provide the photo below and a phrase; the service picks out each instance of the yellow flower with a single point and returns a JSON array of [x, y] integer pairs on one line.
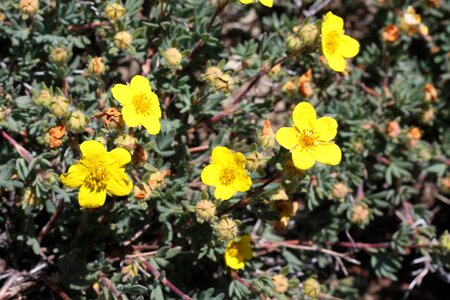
[[227, 173], [140, 104], [238, 252], [310, 139], [335, 44], [268, 3], [98, 172]]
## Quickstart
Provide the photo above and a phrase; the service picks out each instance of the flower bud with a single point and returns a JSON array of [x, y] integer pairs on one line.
[[43, 98], [139, 156], [360, 214], [288, 87], [281, 283], [54, 135], [77, 121], [125, 141], [50, 179], [390, 33], [293, 42], [96, 66], [173, 57], [211, 74], [111, 117], [226, 229], [255, 161], [309, 35], [267, 138], [114, 11], [430, 93], [205, 210], [224, 83], [29, 198], [141, 191], [340, 190], [428, 116], [444, 185], [59, 55], [393, 129], [311, 287], [157, 179], [29, 7], [123, 40], [444, 241], [59, 106]]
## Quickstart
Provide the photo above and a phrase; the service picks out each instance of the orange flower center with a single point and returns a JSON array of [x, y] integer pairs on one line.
[[332, 41], [234, 250], [226, 176], [308, 139], [142, 103], [97, 178]]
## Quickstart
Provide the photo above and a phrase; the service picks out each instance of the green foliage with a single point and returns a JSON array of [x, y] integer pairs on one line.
[[381, 213]]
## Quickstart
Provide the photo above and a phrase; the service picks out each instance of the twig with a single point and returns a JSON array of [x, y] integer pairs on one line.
[[318, 5], [247, 285], [56, 289], [148, 266], [229, 110], [21, 150], [198, 149], [106, 282], [315, 248], [50, 222], [251, 194], [200, 42]]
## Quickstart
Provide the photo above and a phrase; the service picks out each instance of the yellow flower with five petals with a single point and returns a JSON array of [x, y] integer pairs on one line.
[[336, 46], [227, 173], [140, 104], [238, 252], [268, 3], [98, 172], [310, 139]]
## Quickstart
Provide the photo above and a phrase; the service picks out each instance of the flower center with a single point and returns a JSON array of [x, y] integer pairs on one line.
[[332, 41], [227, 176], [97, 178], [141, 103], [308, 139], [234, 250]]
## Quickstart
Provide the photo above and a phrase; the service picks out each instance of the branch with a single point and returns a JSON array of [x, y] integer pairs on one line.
[[21, 150], [148, 266], [106, 282], [247, 285]]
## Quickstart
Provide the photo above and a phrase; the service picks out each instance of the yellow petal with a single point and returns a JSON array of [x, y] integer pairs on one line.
[[119, 184], [326, 128], [75, 176], [91, 198], [302, 160], [304, 116], [240, 159], [119, 156], [348, 46], [151, 123], [140, 84], [268, 3], [234, 262], [223, 192], [332, 22], [242, 183], [155, 106], [329, 154], [245, 247], [222, 155], [210, 175], [130, 116], [287, 137], [336, 62], [122, 93], [246, 1], [92, 149]]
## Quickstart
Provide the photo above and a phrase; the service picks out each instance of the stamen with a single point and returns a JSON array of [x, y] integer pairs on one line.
[[97, 178], [332, 41], [142, 103], [227, 176], [308, 139]]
